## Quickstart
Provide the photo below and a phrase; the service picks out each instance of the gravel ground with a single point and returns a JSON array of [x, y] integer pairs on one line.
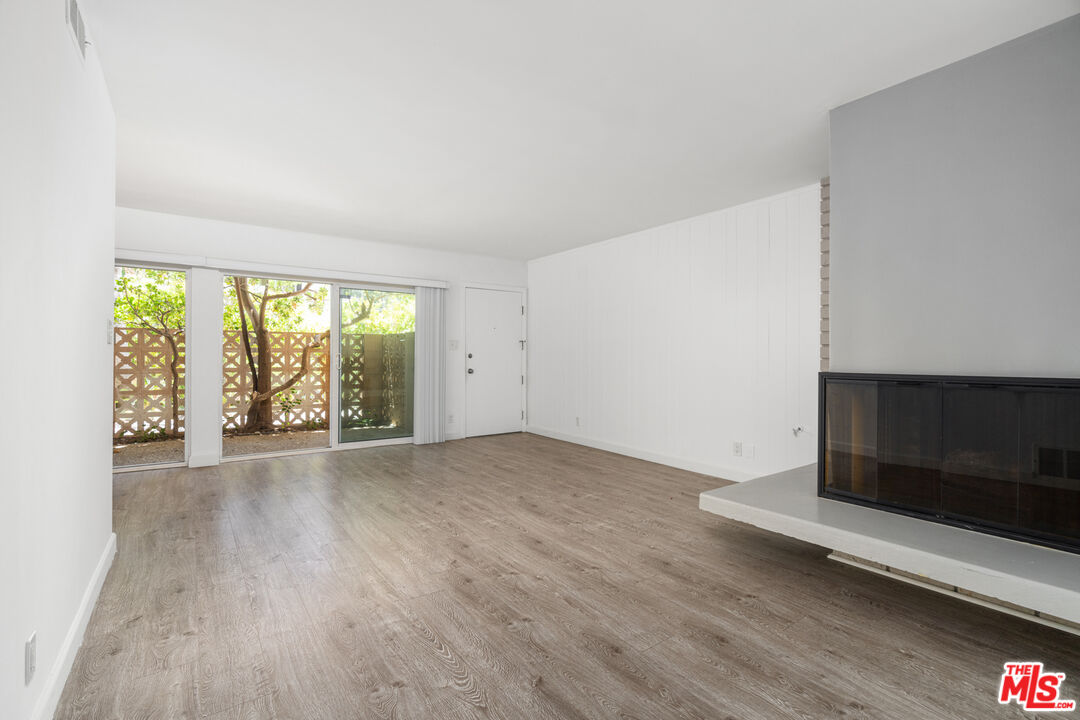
[[148, 453], [274, 442], [166, 451]]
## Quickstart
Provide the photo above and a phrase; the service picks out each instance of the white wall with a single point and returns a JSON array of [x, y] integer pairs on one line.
[[672, 343], [160, 232], [57, 188], [955, 216]]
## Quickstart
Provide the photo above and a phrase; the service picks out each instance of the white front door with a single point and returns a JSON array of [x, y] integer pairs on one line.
[[494, 331]]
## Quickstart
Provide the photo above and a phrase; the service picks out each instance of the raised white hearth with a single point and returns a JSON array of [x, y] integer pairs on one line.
[[1040, 579]]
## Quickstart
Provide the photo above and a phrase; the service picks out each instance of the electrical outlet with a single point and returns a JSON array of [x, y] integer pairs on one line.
[[577, 421], [31, 657], [454, 346], [450, 419], [736, 448]]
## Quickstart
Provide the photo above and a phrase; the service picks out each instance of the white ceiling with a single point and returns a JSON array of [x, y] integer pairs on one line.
[[502, 127]]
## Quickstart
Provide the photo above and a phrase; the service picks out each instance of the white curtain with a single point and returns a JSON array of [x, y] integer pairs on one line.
[[430, 383]]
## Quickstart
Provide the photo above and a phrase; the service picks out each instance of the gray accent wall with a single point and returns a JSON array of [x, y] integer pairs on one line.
[[955, 216]]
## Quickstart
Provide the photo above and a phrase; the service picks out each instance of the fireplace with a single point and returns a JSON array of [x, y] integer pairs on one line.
[[997, 455]]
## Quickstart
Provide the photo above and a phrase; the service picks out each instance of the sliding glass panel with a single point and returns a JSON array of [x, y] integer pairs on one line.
[[909, 445], [851, 453], [980, 465], [1049, 497], [149, 308], [377, 341], [276, 366]]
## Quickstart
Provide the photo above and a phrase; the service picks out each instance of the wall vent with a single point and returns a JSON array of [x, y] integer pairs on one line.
[[78, 29]]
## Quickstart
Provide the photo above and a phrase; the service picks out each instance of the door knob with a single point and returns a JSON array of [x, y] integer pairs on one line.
[[470, 356], [470, 371]]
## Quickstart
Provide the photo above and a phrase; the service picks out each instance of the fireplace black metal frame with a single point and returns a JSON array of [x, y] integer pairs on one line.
[[985, 527]]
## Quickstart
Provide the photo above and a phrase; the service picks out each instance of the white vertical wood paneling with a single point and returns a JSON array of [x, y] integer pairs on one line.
[[675, 342]]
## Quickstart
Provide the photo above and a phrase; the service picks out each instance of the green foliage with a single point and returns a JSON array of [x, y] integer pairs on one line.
[[365, 421], [289, 401], [391, 312], [309, 312], [153, 434], [149, 298], [145, 297]]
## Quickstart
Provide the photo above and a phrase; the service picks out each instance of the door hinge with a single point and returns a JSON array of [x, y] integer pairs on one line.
[[522, 309], [522, 414], [522, 379]]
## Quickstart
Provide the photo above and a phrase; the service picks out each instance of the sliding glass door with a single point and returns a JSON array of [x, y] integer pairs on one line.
[[304, 366], [149, 316], [376, 345], [275, 363]]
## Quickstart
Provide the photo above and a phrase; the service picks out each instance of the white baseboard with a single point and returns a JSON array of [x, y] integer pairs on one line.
[[54, 684], [718, 471]]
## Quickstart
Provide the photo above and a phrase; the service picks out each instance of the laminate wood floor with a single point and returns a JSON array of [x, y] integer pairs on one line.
[[507, 577]]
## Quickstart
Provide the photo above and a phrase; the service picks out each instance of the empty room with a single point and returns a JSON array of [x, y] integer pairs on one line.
[[539, 360]]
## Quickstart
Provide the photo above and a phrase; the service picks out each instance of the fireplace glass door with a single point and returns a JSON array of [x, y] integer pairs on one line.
[[883, 442], [980, 463], [1049, 489], [999, 455], [909, 441]]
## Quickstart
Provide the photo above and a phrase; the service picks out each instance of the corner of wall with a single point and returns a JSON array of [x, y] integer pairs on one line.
[[704, 468], [825, 186]]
